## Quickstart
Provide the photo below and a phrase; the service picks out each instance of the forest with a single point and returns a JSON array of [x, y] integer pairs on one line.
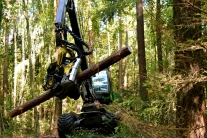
[[159, 90]]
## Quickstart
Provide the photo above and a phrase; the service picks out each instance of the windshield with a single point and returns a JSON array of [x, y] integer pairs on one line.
[[100, 82]]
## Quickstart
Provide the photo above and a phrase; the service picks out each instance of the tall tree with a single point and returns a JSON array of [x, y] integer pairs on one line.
[[126, 59], [2, 92], [90, 36], [1, 114], [31, 53], [141, 50], [6, 45], [188, 63], [120, 46], [23, 72], [58, 102], [15, 63], [159, 36]]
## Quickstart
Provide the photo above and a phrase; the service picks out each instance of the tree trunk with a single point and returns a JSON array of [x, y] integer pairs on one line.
[[90, 33], [126, 59], [187, 20], [58, 103], [120, 46], [1, 119], [23, 67], [15, 63], [190, 119], [109, 46], [108, 38], [31, 64], [141, 50], [5, 73], [158, 37], [1, 104], [5, 70], [57, 113], [1, 78]]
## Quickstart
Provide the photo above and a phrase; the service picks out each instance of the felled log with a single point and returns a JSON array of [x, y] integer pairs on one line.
[[113, 58]]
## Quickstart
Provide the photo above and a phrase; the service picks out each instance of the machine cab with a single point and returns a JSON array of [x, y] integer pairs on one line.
[[101, 86]]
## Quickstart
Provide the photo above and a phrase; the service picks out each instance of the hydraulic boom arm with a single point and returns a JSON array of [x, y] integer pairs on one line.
[[70, 57]]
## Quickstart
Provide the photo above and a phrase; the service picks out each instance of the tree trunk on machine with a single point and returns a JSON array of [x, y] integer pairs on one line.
[[141, 50], [190, 112], [113, 58]]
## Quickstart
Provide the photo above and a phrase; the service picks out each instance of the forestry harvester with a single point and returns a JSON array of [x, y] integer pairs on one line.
[[70, 77]]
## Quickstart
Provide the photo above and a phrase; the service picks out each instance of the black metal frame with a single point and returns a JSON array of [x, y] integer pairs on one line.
[[68, 6]]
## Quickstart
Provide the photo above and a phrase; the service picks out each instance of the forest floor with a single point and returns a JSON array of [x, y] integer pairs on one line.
[[84, 134]]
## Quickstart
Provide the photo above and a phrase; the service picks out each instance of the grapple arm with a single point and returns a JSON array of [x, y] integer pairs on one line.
[[70, 57]]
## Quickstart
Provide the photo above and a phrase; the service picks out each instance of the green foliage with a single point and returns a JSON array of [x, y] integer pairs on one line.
[[139, 119], [1, 12], [87, 134], [157, 116], [162, 99]]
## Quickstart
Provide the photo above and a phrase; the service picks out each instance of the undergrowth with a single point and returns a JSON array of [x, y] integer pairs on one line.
[[152, 119]]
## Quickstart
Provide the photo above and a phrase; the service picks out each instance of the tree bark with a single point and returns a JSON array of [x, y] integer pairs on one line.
[[113, 58], [31, 64], [57, 113], [1, 120], [190, 115], [1, 103], [108, 38], [190, 112], [126, 59], [158, 37], [141, 50], [120, 46], [15, 63], [5, 71], [90, 36], [23, 67], [58, 103]]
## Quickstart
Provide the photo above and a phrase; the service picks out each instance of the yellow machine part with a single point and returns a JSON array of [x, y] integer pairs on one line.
[[67, 68], [60, 54]]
